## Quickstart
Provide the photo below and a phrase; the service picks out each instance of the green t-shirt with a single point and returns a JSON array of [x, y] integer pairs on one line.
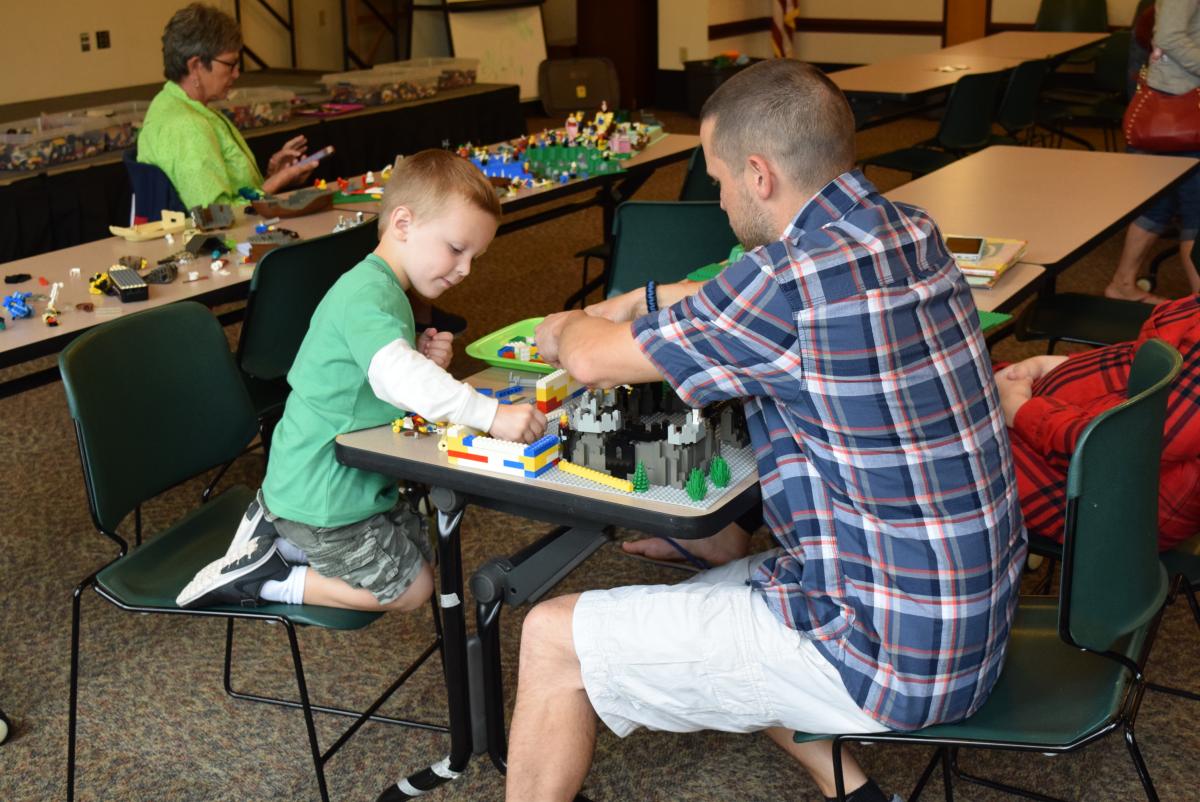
[[364, 311], [199, 149]]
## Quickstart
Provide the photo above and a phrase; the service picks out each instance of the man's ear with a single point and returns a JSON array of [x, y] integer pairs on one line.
[[399, 222], [760, 177]]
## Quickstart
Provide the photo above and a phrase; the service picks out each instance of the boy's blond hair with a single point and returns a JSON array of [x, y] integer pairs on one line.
[[425, 181]]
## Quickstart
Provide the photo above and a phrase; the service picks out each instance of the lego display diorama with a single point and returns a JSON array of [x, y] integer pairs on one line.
[[639, 440]]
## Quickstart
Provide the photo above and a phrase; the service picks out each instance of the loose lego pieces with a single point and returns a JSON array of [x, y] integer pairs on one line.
[[600, 477], [17, 305], [99, 283], [554, 389], [465, 446], [50, 316], [520, 348], [415, 423]]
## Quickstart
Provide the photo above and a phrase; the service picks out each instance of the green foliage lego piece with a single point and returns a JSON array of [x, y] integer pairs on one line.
[[641, 482], [718, 472], [697, 486]]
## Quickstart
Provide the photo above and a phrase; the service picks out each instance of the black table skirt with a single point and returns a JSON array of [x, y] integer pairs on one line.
[[48, 212]]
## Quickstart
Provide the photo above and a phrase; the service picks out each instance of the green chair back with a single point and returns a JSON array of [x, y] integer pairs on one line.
[[1072, 15], [665, 241], [156, 399], [1018, 106], [1112, 579], [287, 285], [697, 184], [970, 112], [1111, 69]]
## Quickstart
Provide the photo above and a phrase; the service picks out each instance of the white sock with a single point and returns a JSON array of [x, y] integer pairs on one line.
[[289, 590], [291, 552]]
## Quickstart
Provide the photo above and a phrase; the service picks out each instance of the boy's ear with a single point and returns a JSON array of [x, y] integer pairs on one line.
[[400, 222]]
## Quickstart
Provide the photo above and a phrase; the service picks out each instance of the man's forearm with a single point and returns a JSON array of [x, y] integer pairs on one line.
[[601, 353]]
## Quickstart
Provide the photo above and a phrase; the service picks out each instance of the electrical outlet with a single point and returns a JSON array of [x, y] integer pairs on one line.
[[682, 54], [102, 40], [85, 42]]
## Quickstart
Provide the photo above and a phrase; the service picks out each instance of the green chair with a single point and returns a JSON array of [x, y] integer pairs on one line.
[[287, 285], [966, 126], [1073, 672], [1017, 114], [1102, 104], [697, 186], [665, 241], [1072, 15], [1076, 317], [199, 417]]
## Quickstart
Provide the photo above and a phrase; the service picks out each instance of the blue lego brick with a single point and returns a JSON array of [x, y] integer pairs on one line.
[[510, 463], [468, 439], [516, 388], [539, 446], [539, 471], [484, 391]]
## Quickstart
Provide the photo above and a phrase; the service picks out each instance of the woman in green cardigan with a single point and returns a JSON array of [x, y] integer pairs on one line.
[[199, 149]]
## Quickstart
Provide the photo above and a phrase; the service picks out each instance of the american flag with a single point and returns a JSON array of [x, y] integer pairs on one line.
[[783, 25]]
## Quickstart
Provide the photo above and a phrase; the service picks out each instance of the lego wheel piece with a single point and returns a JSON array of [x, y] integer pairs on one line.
[[5, 727], [296, 204]]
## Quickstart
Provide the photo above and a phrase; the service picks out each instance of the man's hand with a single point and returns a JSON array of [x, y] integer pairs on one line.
[[291, 152], [1014, 391], [519, 423], [436, 346], [548, 332], [1033, 368], [620, 308]]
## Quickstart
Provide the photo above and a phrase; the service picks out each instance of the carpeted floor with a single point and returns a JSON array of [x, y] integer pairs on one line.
[[156, 725]]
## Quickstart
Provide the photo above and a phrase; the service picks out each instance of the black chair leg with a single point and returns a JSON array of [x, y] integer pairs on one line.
[[73, 703], [949, 757], [925, 775], [1140, 764], [318, 758], [838, 780]]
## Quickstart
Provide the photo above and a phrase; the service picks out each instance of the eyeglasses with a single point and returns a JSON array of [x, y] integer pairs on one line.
[[233, 65]]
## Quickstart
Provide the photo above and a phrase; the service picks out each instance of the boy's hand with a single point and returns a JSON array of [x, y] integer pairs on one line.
[[436, 346], [520, 423], [1014, 392]]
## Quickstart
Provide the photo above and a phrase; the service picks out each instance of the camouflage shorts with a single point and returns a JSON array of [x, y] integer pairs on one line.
[[383, 554]]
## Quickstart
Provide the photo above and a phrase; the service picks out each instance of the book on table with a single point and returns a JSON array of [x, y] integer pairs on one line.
[[999, 254]]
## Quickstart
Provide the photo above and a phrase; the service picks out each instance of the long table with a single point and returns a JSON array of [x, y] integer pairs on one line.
[[30, 338], [77, 202], [583, 517]]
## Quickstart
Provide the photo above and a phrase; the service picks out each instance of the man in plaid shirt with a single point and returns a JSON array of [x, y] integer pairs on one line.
[[884, 460]]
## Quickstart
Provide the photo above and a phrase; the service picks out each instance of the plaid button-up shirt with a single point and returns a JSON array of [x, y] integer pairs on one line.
[[885, 465]]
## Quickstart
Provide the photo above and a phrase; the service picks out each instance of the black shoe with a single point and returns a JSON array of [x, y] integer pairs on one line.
[[237, 577], [253, 527], [443, 321]]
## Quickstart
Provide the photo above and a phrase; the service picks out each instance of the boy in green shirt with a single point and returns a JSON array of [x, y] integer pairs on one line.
[[324, 533]]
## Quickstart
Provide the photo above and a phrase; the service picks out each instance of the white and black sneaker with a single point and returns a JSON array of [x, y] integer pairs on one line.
[[253, 526], [237, 577]]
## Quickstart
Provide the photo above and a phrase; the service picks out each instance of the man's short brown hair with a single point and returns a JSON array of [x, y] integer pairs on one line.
[[788, 111], [425, 181]]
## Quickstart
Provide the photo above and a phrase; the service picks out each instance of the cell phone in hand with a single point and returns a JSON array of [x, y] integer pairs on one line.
[[316, 156]]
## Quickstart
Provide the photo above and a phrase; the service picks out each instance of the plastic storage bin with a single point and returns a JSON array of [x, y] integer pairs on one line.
[[256, 107], [40, 142], [452, 72], [120, 122], [380, 86]]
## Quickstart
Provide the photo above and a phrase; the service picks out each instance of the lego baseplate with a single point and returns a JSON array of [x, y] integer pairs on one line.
[[741, 465]]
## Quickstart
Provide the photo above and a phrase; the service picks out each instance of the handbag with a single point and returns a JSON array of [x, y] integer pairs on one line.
[[1162, 123]]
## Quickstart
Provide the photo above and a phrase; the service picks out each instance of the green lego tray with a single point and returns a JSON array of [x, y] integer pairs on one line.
[[485, 347]]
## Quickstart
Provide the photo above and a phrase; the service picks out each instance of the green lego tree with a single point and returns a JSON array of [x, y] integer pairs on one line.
[[718, 471], [697, 487], [641, 482]]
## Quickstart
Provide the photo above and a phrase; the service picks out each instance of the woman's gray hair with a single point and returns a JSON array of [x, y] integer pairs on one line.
[[197, 30]]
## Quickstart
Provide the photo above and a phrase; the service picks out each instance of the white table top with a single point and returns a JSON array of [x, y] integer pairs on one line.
[[97, 256], [1057, 200], [1025, 45], [917, 73]]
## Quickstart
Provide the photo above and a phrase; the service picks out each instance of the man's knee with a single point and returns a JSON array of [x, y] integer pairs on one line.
[[546, 634], [415, 594]]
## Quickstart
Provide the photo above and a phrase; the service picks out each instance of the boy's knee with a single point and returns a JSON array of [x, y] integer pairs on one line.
[[415, 594]]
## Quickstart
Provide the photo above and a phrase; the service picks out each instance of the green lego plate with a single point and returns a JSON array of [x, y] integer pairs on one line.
[[485, 347]]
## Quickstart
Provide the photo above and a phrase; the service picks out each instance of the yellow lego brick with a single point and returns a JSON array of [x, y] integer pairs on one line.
[[600, 477]]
